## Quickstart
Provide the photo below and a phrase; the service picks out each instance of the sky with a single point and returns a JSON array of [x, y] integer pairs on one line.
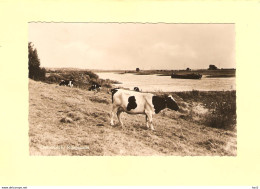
[[127, 46]]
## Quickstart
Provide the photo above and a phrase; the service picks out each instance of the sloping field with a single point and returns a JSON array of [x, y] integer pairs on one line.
[[71, 121]]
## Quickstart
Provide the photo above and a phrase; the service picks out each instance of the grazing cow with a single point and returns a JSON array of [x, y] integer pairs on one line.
[[136, 89], [67, 82], [133, 102], [95, 87]]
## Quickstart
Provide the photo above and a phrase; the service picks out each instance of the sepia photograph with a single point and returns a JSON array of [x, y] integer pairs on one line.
[[132, 89]]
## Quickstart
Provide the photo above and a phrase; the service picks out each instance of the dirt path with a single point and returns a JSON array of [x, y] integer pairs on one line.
[[71, 121]]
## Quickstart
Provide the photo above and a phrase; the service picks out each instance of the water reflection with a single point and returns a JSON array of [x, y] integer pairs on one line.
[[167, 84]]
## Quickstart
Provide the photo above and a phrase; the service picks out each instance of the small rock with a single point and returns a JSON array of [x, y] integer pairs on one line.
[[66, 120]]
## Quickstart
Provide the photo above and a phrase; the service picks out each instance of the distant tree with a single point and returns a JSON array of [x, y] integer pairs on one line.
[[35, 71], [188, 69], [137, 69], [212, 67]]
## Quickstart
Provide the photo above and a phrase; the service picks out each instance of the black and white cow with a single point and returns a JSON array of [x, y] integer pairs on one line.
[[95, 87], [136, 89], [133, 102], [67, 82]]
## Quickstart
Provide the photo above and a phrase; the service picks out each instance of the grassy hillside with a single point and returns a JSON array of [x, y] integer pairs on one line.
[[82, 78], [72, 121]]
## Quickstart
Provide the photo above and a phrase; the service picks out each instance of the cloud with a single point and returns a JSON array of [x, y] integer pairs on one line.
[[127, 46]]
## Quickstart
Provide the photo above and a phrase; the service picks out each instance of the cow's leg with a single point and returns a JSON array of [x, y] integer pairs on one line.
[[119, 118], [113, 113], [147, 123], [150, 120]]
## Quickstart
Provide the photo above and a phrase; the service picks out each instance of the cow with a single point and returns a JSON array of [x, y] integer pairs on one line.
[[133, 102], [67, 82], [136, 89], [95, 87]]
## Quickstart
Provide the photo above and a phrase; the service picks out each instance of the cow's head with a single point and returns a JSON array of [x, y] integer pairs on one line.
[[136, 89], [62, 82], [171, 103]]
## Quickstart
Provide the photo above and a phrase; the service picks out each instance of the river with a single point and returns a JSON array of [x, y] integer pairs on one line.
[[153, 83]]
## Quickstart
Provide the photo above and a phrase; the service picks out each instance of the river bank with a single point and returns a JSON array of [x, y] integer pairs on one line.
[[205, 72]]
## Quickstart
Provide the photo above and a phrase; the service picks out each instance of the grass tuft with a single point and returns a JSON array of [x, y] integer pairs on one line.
[[99, 100]]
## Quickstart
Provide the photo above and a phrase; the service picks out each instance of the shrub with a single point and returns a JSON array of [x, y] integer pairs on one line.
[[54, 78], [222, 113], [91, 74], [221, 106], [195, 93]]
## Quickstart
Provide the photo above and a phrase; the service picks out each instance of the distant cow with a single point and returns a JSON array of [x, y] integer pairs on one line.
[[67, 82], [133, 102], [136, 89], [95, 87]]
